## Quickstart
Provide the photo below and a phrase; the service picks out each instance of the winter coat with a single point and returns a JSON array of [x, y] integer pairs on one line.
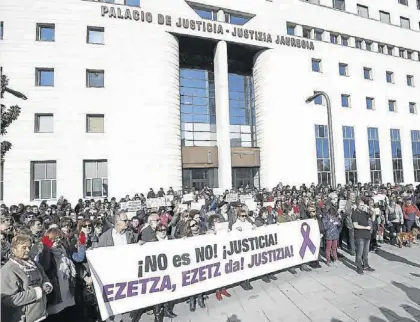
[[331, 226], [22, 299]]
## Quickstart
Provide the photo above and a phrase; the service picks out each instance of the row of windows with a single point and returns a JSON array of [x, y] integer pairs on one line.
[[351, 41], [350, 163], [228, 17], [46, 32], [45, 77], [363, 11], [370, 103], [44, 123], [44, 179], [343, 70]]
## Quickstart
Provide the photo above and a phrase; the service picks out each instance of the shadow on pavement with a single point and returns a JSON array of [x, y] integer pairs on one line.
[[413, 293], [395, 258], [390, 316], [233, 318], [348, 263], [415, 275]]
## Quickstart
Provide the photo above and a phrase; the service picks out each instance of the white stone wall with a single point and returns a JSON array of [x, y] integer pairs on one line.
[[141, 95]]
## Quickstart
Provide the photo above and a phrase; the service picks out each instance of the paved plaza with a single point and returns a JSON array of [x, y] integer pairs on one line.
[[390, 294]]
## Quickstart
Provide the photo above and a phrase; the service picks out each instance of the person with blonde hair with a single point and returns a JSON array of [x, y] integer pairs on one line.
[[24, 285]]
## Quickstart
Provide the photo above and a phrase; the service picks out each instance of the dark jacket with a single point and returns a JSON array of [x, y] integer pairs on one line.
[[49, 265], [260, 221], [332, 226], [106, 239], [148, 234]]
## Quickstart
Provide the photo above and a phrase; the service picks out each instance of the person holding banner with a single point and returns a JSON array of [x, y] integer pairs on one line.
[[119, 235], [165, 309], [194, 229]]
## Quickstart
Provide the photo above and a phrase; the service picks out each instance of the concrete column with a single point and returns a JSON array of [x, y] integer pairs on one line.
[[222, 114], [220, 16]]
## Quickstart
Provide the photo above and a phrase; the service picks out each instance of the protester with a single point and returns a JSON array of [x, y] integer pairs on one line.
[[362, 223], [71, 230], [24, 285]]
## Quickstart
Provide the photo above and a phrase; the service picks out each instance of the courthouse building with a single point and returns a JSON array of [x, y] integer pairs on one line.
[[125, 95]]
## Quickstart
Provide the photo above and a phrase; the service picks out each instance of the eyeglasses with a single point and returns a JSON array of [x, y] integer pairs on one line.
[[161, 230], [193, 225], [86, 226], [124, 220]]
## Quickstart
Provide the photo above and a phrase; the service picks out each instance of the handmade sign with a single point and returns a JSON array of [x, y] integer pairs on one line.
[[132, 277], [232, 197]]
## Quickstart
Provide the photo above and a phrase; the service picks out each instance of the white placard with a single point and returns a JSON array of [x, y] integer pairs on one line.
[[188, 197], [218, 191], [175, 269], [232, 197]]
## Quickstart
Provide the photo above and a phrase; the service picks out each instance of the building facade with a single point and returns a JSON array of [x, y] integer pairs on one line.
[[125, 95]]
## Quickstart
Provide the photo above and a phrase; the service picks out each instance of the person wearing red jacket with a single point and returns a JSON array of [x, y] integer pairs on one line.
[[410, 212]]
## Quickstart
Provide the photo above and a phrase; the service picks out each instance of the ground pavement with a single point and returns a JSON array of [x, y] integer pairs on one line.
[[328, 294]]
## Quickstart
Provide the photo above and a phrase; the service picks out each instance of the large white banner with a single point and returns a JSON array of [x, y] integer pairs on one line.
[[135, 276]]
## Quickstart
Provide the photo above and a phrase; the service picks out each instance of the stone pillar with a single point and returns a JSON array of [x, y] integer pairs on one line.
[[222, 114]]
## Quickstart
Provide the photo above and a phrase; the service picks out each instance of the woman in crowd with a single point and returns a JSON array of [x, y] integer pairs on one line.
[[394, 219], [194, 229], [331, 224], [62, 274], [24, 285]]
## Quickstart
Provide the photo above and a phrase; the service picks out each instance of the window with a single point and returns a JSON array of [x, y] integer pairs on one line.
[[242, 111], [319, 35], [349, 145], [95, 35], [207, 13], [134, 3], [242, 177], [409, 54], [401, 52], [410, 80], [339, 4], [198, 107], [43, 180], [404, 2], [343, 69], [200, 178], [318, 100], [374, 156], [363, 11], [412, 108], [95, 123], [45, 32], [415, 144], [95, 78], [384, 16], [290, 29], [322, 154], [334, 38], [390, 50], [44, 123], [235, 19], [390, 77], [367, 73], [392, 105], [306, 33], [381, 48], [418, 4], [316, 65], [345, 100], [397, 164], [1, 37], [345, 40], [405, 22], [370, 103], [368, 45], [359, 43], [44, 76], [95, 175]]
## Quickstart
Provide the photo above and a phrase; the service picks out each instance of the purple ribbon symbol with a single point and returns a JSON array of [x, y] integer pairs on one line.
[[307, 242]]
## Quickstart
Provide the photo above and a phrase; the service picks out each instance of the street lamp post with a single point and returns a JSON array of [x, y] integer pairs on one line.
[[330, 132]]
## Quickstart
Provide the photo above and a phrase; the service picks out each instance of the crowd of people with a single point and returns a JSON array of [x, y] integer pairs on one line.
[[45, 274]]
